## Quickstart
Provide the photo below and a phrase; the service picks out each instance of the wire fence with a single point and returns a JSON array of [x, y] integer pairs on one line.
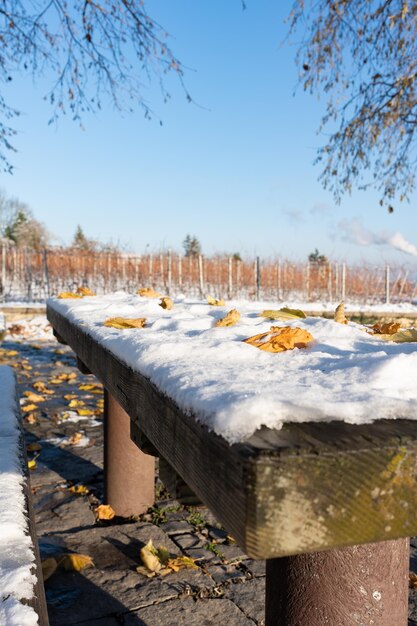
[[33, 276]]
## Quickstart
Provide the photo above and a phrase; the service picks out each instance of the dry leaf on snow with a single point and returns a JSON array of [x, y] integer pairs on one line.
[[404, 336], [148, 292], [339, 314], [390, 328], [283, 314], [104, 511], [68, 294], [280, 338], [125, 322], [85, 291], [215, 302], [166, 303], [230, 319]]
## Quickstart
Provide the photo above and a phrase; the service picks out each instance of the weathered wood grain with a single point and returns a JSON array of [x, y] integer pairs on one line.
[[306, 488]]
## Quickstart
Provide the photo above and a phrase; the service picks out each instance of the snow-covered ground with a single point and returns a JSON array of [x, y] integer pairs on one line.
[[345, 373], [16, 550]]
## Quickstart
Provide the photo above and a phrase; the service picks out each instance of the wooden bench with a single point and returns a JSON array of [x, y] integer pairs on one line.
[[22, 595], [330, 506]]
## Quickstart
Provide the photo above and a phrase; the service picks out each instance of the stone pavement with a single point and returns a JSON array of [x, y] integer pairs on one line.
[[226, 587]]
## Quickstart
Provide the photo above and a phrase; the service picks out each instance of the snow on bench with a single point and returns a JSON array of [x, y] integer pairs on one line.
[[21, 594]]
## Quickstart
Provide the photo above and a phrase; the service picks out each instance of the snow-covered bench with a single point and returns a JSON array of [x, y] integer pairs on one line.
[[22, 596], [327, 504]]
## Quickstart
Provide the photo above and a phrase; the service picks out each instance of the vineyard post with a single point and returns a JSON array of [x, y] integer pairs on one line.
[[238, 273], [201, 274], [403, 284], [329, 281], [230, 278], [161, 270], [257, 277], [3, 270], [150, 268], [336, 280], [279, 280], [387, 285], [307, 282], [29, 274], [45, 271], [343, 292], [169, 271], [180, 272]]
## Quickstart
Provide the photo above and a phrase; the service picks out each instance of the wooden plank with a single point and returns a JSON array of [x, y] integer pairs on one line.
[[306, 488]]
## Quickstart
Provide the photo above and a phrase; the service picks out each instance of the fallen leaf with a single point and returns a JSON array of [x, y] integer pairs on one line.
[[412, 580], [33, 397], [148, 292], [149, 556], [79, 490], [32, 464], [85, 412], [68, 294], [390, 328], [214, 302], [89, 387], [125, 322], [33, 447], [41, 387], [67, 376], [166, 303], [31, 418], [29, 407], [76, 562], [75, 438], [280, 338], [49, 566], [339, 314], [73, 404], [283, 314], [70, 396], [85, 291], [181, 562], [59, 351], [104, 511], [404, 336], [230, 319]]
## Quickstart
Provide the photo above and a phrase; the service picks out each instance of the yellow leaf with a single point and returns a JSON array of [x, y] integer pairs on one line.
[[76, 562], [73, 404], [125, 322], [67, 376], [70, 396], [34, 447], [68, 294], [404, 336], [41, 387], [339, 314], [59, 351], [49, 566], [85, 412], [33, 397], [230, 319], [79, 490], [283, 314], [32, 464], [104, 511], [31, 419], [149, 557], [75, 438], [148, 292], [181, 562], [280, 338], [29, 407], [11, 353], [89, 387], [390, 328], [85, 291], [215, 302], [166, 303]]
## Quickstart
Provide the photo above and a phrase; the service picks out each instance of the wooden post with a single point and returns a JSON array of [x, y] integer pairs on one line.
[[329, 281], [257, 277], [179, 272], [343, 292], [365, 585], [3, 270], [45, 271], [230, 277], [279, 281], [150, 269], [29, 275], [387, 285], [129, 474], [307, 289], [201, 274], [336, 280], [169, 272]]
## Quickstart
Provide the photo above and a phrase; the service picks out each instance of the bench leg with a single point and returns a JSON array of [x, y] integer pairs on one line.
[[365, 585], [129, 474]]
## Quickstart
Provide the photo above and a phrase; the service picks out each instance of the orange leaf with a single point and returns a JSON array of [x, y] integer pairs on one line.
[[104, 511], [79, 489], [125, 322], [33, 397], [68, 294], [230, 319], [390, 328], [281, 338], [29, 407], [76, 562], [148, 292], [166, 303], [85, 291]]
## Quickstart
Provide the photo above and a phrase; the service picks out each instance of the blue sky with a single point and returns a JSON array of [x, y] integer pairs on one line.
[[235, 167]]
